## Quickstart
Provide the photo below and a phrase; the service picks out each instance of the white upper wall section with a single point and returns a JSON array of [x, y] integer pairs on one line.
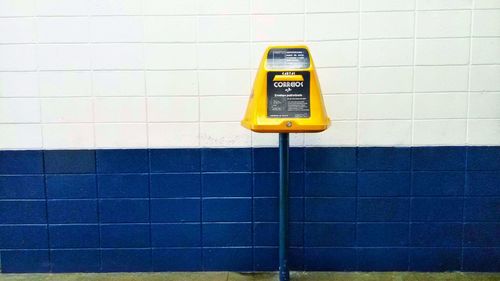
[[165, 73]]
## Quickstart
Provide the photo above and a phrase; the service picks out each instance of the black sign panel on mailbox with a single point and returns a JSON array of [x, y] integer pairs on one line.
[[288, 99]]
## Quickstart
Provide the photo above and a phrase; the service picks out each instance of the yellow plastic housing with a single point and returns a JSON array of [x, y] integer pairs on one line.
[[256, 116]]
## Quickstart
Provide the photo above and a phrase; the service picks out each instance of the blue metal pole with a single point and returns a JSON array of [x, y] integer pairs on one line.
[[283, 231]]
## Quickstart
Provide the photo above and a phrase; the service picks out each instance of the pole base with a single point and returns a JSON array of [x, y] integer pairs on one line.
[[284, 274]]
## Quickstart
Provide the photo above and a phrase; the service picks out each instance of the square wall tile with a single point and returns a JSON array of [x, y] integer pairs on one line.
[[437, 209], [227, 185], [71, 186], [330, 209], [74, 236], [396, 259], [69, 161], [25, 261], [120, 135], [483, 184], [443, 23], [382, 234], [126, 260], [23, 237], [383, 184], [329, 235], [330, 159], [23, 212], [483, 158], [177, 259], [385, 107], [442, 51], [438, 158], [233, 259], [22, 187], [72, 211], [123, 186], [226, 160], [285, 27], [21, 162], [482, 234], [124, 210], [330, 259], [438, 183], [122, 161], [439, 132], [440, 105], [330, 184], [481, 259], [175, 185], [435, 259], [227, 234], [75, 260], [383, 209], [176, 235], [175, 160], [56, 136], [384, 133], [175, 210], [21, 136], [227, 210], [436, 234], [387, 25], [384, 158], [124, 236], [481, 209]]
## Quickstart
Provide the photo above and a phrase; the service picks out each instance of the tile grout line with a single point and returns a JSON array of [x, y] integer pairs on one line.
[[356, 222], [94, 139], [252, 135], [197, 68], [250, 46], [412, 134], [414, 59], [49, 256], [202, 246], [471, 28], [148, 140], [200, 145], [39, 98], [304, 147], [467, 128], [144, 73], [410, 204], [259, 13], [358, 84], [47, 213], [98, 203], [463, 210], [357, 142], [92, 92], [252, 151], [149, 205]]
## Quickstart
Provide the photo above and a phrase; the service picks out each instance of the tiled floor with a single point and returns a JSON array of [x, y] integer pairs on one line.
[[225, 276]]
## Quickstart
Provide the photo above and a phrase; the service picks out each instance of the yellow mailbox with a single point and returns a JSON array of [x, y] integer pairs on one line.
[[286, 95]]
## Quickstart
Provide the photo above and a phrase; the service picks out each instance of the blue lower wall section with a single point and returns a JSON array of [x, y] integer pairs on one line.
[[366, 209]]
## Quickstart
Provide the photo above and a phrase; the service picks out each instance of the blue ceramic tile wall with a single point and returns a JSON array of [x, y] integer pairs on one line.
[[370, 208]]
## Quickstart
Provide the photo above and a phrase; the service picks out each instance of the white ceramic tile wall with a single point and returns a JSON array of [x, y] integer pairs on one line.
[[177, 73]]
